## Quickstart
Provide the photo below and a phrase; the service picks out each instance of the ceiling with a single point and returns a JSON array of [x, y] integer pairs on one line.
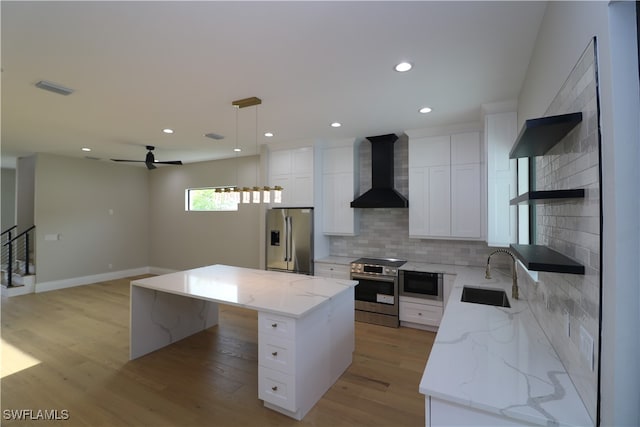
[[139, 67]]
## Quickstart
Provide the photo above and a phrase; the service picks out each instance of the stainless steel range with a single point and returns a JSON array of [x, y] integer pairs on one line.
[[377, 290]]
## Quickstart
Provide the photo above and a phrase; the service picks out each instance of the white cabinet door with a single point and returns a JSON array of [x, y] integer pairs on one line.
[[465, 148], [500, 134], [439, 195], [292, 169], [418, 201], [445, 187], [430, 206], [466, 216], [432, 151], [338, 181]]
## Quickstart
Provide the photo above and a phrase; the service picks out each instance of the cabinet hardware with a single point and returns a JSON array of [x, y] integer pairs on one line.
[[274, 388], [274, 325], [274, 354]]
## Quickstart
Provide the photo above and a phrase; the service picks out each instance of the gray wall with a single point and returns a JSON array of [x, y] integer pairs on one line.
[[25, 188], [181, 240], [8, 202], [99, 209], [565, 31]]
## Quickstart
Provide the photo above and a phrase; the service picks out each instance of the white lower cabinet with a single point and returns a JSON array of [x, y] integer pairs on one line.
[[334, 271], [417, 312], [277, 388], [299, 359]]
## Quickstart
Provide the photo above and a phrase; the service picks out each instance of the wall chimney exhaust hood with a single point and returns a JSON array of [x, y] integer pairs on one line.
[[382, 194]]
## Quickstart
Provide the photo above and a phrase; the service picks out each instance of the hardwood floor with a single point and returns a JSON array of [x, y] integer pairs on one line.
[[77, 340]]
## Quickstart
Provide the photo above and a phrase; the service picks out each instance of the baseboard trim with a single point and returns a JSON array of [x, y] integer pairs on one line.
[[159, 271], [86, 280]]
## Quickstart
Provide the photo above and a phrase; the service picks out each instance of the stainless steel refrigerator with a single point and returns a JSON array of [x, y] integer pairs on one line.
[[290, 240]]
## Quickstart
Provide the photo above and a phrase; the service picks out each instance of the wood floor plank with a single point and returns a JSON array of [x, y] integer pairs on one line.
[[80, 338]]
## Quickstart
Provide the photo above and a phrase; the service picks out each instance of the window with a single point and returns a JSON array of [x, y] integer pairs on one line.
[[206, 199]]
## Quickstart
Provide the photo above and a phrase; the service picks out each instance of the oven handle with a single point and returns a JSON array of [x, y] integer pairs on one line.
[[374, 278]]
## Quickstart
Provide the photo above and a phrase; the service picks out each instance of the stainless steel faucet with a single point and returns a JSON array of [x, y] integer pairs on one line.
[[487, 274]]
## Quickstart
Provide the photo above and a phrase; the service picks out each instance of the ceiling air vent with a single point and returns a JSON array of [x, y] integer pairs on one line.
[[54, 87], [214, 136]]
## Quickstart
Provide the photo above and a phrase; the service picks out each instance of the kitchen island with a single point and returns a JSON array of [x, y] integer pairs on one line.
[[305, 324], [494, 365]]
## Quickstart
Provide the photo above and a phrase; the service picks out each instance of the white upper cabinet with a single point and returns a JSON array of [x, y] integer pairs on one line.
[[500, 134], [339, 166], [445, 187], [292, 169]]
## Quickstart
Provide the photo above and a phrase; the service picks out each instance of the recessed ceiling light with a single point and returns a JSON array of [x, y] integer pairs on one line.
[[425, 110], [336, 125], [237, 150], [86, 149], [167, 130], [268, 134], [403, 66]]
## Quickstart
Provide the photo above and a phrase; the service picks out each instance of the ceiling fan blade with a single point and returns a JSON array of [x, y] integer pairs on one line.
[[126, 160], [171, 162]]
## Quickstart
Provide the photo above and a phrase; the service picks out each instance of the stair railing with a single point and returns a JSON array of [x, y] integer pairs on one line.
[[18, 244]]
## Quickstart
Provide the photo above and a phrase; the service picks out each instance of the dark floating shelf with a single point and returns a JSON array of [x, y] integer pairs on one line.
[[548, 196], [541, 258], [539, 135]]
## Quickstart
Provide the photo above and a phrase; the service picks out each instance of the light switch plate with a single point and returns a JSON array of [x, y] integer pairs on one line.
[[586, 346]]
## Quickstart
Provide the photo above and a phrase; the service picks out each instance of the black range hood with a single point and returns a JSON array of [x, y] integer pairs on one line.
[[382, 194]]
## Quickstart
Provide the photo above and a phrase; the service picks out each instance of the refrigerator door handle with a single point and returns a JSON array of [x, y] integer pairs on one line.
[[290, 237], [287, 232]]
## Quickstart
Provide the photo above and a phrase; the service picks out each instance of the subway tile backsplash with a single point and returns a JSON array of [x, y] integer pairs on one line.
[[385, 233]]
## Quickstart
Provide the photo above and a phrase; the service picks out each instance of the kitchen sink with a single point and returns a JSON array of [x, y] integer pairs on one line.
[[485, 296]]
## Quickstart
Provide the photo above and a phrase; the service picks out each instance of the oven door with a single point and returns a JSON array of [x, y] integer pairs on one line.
[[376, 294]]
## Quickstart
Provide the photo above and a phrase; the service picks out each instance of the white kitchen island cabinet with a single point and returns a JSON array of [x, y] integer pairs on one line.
[[305, 325]]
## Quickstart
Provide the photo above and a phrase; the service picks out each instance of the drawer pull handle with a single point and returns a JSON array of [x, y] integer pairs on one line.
[[274, 325], [274, 388], [419, 313], [274, 354]]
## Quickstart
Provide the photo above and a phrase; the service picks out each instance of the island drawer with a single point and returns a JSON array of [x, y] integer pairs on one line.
[[420, 313], [277, 353], [276, 325], [277, 388]]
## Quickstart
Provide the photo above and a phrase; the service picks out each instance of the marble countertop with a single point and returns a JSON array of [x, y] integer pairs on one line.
[[498, 359], [286, 294]]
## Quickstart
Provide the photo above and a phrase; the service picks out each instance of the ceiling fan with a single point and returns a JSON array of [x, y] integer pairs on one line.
[[150, 160]]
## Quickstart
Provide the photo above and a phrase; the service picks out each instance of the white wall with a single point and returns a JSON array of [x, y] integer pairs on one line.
[[181, 240], [565, 31], [100, 211]]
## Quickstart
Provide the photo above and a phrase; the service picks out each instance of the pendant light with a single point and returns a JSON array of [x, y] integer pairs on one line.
[[255, 194]]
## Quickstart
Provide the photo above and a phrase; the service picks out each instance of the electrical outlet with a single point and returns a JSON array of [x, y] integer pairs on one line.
[[586, 346]]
